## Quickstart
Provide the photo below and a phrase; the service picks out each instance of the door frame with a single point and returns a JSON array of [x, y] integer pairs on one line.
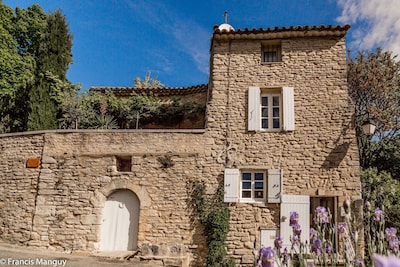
[[122, 197]]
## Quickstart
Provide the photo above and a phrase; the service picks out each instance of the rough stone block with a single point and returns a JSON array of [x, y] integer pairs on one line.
[[90, 219]]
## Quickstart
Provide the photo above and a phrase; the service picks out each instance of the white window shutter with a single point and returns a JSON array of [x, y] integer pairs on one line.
[[301, 205], [231, 185], [254, 109], [268, 237], [288, 108], [274, 185]]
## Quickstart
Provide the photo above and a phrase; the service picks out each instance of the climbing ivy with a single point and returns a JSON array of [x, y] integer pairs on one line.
[[214, 215]]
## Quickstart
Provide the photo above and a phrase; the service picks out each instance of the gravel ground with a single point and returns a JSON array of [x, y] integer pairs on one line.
[[13, 255]]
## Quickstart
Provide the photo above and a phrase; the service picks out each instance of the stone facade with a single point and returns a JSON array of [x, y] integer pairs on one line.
[[59, 203], [319, 158]]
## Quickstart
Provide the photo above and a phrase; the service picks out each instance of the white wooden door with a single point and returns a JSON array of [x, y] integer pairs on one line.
[[120, 222], [301, 205]]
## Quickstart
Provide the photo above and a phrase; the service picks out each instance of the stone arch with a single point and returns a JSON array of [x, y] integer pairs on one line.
[[100, 201], [107, 190]]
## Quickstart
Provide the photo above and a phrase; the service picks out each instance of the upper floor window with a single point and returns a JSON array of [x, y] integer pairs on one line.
[[271, 109], [271, 53]]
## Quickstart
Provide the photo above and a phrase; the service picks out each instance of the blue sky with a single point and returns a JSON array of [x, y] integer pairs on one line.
[[118, 40]]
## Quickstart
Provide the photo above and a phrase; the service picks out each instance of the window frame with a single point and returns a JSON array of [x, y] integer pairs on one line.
[[271, 47], [253, 188], [287, 108], [270, 114], [273, 185]]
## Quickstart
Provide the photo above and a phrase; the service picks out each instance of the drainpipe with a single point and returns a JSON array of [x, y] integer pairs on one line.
[[228, 162], [37, 189]]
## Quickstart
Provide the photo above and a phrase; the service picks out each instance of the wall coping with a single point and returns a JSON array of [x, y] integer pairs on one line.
[[97, 131]]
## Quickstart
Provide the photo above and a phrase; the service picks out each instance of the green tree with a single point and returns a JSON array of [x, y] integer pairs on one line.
[[53, 59], [16, 72], [127, 111], [374, 87], [29, 28], [382, 191], [147, 82]]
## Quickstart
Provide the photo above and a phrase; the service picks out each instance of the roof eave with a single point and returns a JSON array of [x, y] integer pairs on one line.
[[282, 33]]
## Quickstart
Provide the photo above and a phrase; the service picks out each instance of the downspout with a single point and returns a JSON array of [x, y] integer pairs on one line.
[[37, 188], [228, 162]]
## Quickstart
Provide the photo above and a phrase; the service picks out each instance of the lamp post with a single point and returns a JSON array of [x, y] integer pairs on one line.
[[368, 128]]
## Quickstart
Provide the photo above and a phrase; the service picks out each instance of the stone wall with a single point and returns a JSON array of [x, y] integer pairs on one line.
[[18, 185], [59, 204]]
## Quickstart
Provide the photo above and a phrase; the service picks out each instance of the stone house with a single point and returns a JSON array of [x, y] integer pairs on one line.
[[278, 134]]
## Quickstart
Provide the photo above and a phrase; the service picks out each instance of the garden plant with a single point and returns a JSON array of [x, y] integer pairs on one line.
[[381, 242]]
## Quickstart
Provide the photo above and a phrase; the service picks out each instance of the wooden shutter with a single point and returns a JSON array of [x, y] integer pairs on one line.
[[300, 204], [267, 237], [231, 185], [274, 185], [254, 109], [288, 108]]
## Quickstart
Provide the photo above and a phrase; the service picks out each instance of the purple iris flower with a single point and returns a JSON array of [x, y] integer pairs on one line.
[[390, 233], [278, 242], [383, 261], [313, 234], [267, 257], [329, 250], [341, 227], [378, 215], [394, 245], [296, 230], [322, 215], [296, 240], [316, 246], [360, 263], [294, 218]]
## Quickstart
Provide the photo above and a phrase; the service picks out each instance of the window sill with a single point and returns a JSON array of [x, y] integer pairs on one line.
[[267, 131], [272, 63], [271, 131], [260, 203]]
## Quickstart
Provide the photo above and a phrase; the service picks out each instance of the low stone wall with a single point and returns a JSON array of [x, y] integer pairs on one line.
[[58, 204], [18, 185]]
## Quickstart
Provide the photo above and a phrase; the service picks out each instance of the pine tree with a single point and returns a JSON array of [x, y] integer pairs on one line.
[[53, 59]]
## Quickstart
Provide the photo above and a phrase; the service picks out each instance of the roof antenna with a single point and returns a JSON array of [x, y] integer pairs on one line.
[[225, 26], [226, 17]]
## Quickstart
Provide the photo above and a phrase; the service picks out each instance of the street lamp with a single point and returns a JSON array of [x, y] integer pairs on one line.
[[368, 128]]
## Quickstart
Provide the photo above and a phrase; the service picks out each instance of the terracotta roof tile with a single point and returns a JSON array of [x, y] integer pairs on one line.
[[282, 32], [163, 91]]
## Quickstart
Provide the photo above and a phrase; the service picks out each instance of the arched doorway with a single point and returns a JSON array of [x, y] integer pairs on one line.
[[120, 222]]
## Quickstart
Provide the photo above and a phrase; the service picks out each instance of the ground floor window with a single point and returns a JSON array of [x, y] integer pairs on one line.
[[253, 185]]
